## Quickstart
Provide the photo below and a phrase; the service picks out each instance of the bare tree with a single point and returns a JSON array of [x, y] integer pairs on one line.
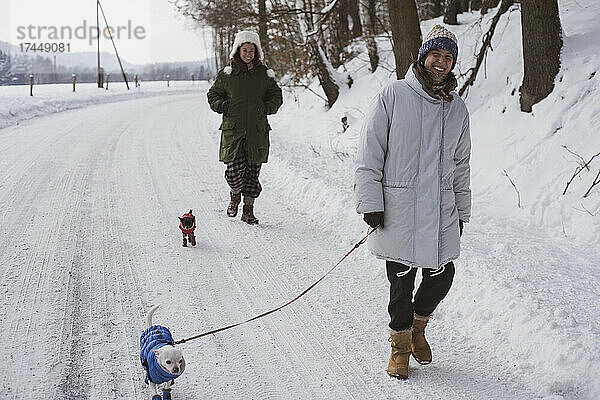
[[542, 43], [312, 36], [486, 45], [262, 28], [368, 19], [226, 17], [336, 33], [406, 33]]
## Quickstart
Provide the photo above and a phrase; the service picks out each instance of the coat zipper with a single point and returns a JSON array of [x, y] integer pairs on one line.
[[440, 169]]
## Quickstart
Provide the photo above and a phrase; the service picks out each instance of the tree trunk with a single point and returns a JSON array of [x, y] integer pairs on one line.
[[322, 66], [453, 8], [406, 33], [337, 36], [464, 5], [221, 54], [342, 22], [367, 12], [429, 9], [540, 24], [354, 12], [262, 29], [324, 71], [487, 4]]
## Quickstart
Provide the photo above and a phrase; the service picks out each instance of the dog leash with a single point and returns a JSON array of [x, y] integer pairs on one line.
[[357, 245]]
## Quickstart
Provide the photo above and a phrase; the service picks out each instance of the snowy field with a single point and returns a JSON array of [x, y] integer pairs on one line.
[[90, 240], [16, 104]]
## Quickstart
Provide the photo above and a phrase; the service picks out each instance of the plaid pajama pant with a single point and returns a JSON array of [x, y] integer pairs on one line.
[[242, 176]]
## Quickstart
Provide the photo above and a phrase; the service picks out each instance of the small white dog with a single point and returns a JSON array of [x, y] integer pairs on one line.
[[162, 361]]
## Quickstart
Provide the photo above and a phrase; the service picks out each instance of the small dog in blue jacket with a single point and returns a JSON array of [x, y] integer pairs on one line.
[[162, 361]]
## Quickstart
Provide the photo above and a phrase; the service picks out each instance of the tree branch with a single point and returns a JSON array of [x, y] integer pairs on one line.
[[487, 44], [515, 186], [308, 88], [596, 181], [582, 165]]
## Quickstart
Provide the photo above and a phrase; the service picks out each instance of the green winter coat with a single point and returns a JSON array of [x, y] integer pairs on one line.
[[245, 98]]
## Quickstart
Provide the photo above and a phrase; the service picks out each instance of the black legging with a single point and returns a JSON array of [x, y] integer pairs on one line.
[[434, 287]]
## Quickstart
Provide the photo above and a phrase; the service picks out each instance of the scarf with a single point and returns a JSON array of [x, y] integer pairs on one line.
[[435, 89]]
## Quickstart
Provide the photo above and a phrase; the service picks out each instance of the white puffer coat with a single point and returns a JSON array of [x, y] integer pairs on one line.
[[401, 171]]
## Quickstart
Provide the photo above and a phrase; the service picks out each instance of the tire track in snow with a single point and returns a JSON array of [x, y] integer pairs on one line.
[[81, 370], [39, 266], [59, 265], [117, 286]]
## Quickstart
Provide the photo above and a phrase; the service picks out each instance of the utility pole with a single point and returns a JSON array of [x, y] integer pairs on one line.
[[113, 43], [55, 69], [100, 72]]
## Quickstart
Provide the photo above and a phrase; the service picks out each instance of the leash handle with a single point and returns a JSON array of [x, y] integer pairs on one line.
[[357, 245]]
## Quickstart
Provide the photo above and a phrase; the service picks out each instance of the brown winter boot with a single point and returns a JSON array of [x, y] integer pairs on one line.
[[248, 214], [398, 365], [232, 209], [420, 348]]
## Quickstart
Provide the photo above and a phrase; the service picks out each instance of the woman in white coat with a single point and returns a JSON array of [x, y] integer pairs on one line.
[[412, 182]]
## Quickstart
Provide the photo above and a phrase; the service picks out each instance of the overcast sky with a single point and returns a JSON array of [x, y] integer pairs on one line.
[[161, 35]]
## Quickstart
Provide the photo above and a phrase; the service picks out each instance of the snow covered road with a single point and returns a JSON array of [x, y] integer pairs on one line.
[[89, 240]]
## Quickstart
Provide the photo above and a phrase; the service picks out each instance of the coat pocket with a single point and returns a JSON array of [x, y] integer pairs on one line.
[[227, 125], [397, 239]]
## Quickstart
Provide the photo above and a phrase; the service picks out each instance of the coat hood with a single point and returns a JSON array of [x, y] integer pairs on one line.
[[415, 84]]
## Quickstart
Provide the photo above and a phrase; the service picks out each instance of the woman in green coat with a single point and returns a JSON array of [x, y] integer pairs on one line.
[[245, 92]]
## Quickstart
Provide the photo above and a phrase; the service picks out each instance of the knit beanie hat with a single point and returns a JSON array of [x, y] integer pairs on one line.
[[439, 38]]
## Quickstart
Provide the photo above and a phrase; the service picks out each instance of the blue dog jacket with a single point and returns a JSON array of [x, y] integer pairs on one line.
[[154, 338]]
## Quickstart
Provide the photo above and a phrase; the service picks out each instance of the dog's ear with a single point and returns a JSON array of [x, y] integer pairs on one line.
[[180, 219]]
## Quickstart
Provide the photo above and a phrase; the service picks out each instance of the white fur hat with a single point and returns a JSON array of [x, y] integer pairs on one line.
[[247, 37]]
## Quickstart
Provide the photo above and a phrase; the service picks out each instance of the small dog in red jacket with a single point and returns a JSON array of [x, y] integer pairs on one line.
[[187, 224]]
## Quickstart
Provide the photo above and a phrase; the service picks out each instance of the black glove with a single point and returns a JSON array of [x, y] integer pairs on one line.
[[460, 225], [374, 219]]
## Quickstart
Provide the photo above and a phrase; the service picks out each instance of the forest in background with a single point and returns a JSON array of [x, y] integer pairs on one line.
[[307, 39]]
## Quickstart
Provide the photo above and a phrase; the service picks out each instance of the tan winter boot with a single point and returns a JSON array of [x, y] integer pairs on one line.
[[232, 209], [248, 214], [398, 365], [420, 348]]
